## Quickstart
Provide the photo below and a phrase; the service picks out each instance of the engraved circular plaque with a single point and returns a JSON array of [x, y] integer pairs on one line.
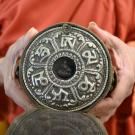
[[43, 122], [66, 67]]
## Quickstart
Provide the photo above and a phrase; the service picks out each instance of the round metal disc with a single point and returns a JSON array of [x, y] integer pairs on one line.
[[66, 67], [42, 122]]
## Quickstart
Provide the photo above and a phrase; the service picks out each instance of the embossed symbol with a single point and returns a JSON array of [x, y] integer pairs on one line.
[[90, 56], [76, 95], [39, 78], [68, 40], [86, 85], [62, 95], [42, 52]]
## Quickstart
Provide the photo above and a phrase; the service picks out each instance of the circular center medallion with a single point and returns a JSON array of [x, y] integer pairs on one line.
[[66, 67]]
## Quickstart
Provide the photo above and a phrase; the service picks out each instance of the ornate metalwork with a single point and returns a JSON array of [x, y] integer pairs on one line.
[[66, 67], [43, 122]]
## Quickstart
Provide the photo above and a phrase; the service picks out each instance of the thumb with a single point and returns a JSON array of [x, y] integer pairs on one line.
[[112, 43], [109, 40], [31, 32], [24, 40]]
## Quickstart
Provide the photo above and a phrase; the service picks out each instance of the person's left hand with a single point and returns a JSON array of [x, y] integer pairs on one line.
[[123, 60]]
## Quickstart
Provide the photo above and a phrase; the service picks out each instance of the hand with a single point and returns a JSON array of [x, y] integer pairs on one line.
[[8, 66], [123, 60], [1, 77]]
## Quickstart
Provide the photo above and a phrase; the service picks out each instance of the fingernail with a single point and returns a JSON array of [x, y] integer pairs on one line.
[[31, 32], [92, 24]]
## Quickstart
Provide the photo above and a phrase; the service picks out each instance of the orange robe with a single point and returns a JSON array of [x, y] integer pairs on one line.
[[115, 16]]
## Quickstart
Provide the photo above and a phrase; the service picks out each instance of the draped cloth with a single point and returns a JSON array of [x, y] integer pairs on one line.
[[114, 16]]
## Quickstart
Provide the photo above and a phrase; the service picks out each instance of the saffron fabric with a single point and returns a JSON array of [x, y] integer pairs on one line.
[[114, 16]]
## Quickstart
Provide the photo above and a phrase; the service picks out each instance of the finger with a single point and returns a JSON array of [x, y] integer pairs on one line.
[[15, 92], [116, 60], [16, 50], [99, 32], [122, 90], [103, 106], [12, 87], [107, 106], [104, 109], [109, 40], [31, 32], [24, 40], [113, 44], [105, 118]]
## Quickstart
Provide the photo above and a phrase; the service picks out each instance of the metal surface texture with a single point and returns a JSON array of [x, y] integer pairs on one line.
[[43, 122], [66, 67]]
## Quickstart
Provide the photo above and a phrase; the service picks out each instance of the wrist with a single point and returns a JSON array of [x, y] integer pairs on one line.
[[1, 76]]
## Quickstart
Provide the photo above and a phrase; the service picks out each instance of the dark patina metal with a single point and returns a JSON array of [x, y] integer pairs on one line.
[[66, 67], [43, 122]]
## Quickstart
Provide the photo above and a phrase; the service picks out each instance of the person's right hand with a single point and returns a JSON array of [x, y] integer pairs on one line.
[[123, 58], [8, 66]]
